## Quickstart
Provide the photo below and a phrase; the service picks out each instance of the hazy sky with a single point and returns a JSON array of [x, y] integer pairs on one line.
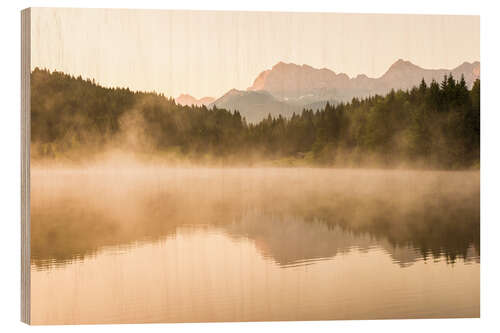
[[208, 53]]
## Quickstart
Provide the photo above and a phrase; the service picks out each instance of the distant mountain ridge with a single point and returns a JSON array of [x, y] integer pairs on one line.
[[288, 88], [292, 83]]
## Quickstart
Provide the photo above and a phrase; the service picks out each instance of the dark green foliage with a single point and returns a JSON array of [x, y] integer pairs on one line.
[[435, 125]]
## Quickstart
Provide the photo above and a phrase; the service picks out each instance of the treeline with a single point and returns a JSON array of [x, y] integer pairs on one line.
[[433, 125]]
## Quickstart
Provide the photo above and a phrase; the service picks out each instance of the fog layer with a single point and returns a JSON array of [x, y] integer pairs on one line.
[[77, 211]]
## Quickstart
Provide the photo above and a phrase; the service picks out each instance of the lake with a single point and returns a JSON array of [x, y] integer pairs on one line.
[[157, 244]]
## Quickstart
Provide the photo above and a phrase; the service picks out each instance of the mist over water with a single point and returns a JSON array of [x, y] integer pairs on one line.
[[434, 212], [272, 221]]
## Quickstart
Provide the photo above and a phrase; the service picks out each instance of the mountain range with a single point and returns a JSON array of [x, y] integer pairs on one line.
[[291, 82], [288, 87]]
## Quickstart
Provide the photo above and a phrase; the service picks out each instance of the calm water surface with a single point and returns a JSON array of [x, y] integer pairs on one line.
[[191, 244]]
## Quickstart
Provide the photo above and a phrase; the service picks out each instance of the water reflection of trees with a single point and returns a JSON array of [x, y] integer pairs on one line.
[[435, 214], [449, 229]]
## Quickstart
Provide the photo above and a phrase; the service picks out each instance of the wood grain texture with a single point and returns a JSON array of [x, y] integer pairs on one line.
[[25, 165]]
